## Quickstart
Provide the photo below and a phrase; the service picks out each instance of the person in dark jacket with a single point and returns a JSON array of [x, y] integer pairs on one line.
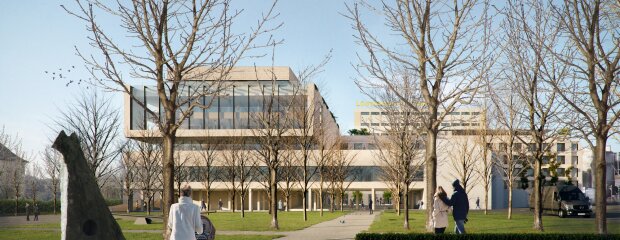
[[460, 206]]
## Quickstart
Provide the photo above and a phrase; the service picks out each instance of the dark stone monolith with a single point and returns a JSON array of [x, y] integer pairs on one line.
[[85, 214]]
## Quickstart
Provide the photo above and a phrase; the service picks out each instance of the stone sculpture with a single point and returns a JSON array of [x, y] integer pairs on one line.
[[85, 214]]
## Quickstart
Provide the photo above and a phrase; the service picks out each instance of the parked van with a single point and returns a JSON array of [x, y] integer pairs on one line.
[[564, 200]]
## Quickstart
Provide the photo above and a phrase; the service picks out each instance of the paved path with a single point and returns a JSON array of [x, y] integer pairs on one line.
[[21, 220], [344, 227]]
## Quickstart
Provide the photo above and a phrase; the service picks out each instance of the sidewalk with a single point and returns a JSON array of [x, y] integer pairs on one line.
[[335, 229]]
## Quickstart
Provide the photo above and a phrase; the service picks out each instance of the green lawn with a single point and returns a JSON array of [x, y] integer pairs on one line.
[[260, 221], [495, 222], [37, 235]]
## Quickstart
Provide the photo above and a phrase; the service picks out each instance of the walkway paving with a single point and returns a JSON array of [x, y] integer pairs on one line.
[[344, 227], [21, 220]]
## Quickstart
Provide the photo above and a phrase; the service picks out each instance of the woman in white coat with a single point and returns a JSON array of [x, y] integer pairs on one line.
[[440, 211]]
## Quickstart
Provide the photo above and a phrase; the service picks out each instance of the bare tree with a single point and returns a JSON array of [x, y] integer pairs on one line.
[[289, 176], [591, 48], [484, 136], [238, 169], [528, 29], [52, 161], [326, 147], [344, 173], [13, 154], [400, 150], [306, 117], [510, 159], [206, 158], [96, 122], [272, 125], [462, 160], [182, 172], [171, 40], [33, 174], [128, 171], [442, 56]]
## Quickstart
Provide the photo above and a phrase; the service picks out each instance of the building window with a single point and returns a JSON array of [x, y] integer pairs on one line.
[[561, 160], [545, 172], [372, 146], [344, 146], [561, 147], [574, 146], [465, 124], [561, 172], [545, 160], [385, 113], [374, 113], [475, 124], [445, 124], [374, 124], [574, 160], [475, 113], [358, 146], [365, 124], [364, 113], [517, 146], [531, 147], [454, 113], [465, 113]]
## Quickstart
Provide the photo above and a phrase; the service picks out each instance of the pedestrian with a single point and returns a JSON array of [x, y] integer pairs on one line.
[[280, 204], [219, 204], [36, 212], [27, 212], [460, 206], [440, 212], [478, 203], [184, 217], [203, 206], [370, 205]]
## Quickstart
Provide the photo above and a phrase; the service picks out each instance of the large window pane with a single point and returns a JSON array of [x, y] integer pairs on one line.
[[152, 103], [137, 111], [212, 112], [241, 106], [226, 109], [196, 120]]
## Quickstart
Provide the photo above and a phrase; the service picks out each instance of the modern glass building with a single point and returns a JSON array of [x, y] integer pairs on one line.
[[253, 101]]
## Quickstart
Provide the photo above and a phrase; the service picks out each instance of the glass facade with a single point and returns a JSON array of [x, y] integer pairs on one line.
[[233, 108]]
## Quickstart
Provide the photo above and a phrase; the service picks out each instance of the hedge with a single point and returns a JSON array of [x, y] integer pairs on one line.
[[483, 236], [7, 206]]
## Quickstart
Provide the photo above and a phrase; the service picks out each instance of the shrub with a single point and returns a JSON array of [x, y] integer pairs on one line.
[[7, 206], [485, 236]]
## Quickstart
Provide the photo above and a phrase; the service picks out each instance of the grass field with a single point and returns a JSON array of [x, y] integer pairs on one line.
[[37, 235], [223, 221], [495, 222], [260, 221]]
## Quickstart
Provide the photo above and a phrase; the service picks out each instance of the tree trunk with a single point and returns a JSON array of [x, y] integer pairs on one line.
[[16, 204], [242, 207], [208, 190], [305, 203], [431, 176], [321, 197], [486, 198], [129, 201], [273, 181], [406, 205], [55, 201], [232, 199], [168, 172], [510, 198], [538, 178], [600, 184]]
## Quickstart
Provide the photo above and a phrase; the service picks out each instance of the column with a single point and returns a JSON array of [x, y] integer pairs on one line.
[[374, 205], [309, 203], [229, 203], [250, 199]]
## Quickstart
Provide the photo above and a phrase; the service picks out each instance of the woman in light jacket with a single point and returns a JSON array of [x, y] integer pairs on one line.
[[440, 212]]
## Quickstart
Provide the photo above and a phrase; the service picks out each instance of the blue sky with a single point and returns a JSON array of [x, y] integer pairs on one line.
[[38, 36]]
